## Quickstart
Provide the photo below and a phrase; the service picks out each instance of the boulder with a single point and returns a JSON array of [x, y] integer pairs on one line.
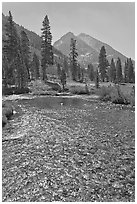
[[4, 120], [7, 110], [55, 86]]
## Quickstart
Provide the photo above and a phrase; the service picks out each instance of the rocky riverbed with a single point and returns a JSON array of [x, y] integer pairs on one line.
[[68, 150]]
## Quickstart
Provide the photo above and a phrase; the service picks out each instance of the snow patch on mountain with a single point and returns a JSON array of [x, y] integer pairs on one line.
[[59, 43]]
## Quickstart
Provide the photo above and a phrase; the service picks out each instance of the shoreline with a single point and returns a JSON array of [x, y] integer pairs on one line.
[[30, 96]]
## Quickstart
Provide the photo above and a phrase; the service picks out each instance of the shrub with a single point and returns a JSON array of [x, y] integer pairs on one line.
[[105, 93], [86, 89], [119, 97], [43, 93], [119, 100], [79, 90], [132, 101], [38, 87], [6, 91], [131, 97], [21, 90], [115, 95], [92, 91], [14, 90]]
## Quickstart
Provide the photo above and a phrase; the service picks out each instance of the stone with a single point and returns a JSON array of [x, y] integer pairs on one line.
[[4, 120], [55, 86], [7, 110]]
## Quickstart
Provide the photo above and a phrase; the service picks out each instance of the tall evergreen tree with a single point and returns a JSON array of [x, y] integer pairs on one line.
[[131, 75], [58, 70], [112, 73], [73, 59], [79, 70], [4, 70], [21, 73], [126, 71], [25, 48], [11, 43], [119, 75], [35, 67], [63, 78], [12, 52], [82, 74], [65, 65], [11, 47], [91, 73], [46, 47], [103, 63], [97, 79]]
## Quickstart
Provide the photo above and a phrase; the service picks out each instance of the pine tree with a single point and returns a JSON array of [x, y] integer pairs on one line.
[[4, 70], [11, 47], [91, 72], [11, 43], [63, 78], [65, 65], [35, 67], [73, 59], [103, 63], [119, 75], [82, 74], [25, 47], [112, 73], [107, 70], [131, 75], [20, 71], [79, 72], [97, 79], [126, 72], [46, 47], [58, 70]]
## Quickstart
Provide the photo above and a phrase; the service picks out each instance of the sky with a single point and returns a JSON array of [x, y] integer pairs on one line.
[[110, 22]]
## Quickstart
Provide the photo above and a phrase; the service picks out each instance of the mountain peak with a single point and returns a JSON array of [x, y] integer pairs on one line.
[[64, 41], [82, 34], [69, 34]]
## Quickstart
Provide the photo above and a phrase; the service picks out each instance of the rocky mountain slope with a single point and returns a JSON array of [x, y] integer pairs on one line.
[[96, 45], [88, 48], [86, 53]]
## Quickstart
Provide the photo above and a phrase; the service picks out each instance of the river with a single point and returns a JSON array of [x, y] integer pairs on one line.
[[68, 149]]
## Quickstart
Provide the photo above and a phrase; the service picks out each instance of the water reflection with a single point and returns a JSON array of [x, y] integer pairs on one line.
[[54, 102]]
